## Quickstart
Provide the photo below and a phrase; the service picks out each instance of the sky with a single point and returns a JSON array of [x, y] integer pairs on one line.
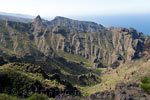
[[47, 8], [117, 13]]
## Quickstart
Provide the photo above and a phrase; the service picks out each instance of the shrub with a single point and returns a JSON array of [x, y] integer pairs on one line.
[[51, 99], [7, 97], [37, 97], [145, 80], [146, 87], [146, 84], [33, 97]]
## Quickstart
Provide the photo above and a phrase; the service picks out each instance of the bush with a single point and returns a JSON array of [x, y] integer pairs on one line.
[[145, 80], [146, 84], [37, 97], [146, 87], [33, 97], [51, 99], [7, 97]]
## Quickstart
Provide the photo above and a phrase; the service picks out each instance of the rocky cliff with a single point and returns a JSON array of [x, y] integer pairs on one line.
[[52, 52], [75, 24], [101, 46]]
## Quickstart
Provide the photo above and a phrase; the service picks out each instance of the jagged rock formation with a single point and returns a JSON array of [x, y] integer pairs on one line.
[[87, 79], [41, 42], [37, 23], [75, 24], [101, 46], [146, 50]]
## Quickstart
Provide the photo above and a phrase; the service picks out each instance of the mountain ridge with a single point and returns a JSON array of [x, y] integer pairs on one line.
[[76, 51], [95, 46]]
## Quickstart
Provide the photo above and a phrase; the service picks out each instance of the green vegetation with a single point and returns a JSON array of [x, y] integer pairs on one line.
[[146, 84], [33, 97], [37, 97], [27, 76], [75, 58], [23, 80], [54, 58], [125, 73]]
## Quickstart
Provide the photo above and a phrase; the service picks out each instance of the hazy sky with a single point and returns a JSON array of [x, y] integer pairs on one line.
[[74, 7]]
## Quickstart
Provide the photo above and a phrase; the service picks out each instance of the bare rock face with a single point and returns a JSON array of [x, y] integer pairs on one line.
[[146, 50], [101, 46], [37, 22], [75, 24], [107, 46]]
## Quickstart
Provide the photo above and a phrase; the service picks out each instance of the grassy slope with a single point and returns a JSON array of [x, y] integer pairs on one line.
[[86, 67], [75, 58], [33, 97], [131, 71], [10, 68]]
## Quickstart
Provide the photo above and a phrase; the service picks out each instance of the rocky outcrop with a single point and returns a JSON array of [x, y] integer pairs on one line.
[[106, 95], [101, 46], [107, 46], [146, 50], [66, 97], [37, 23], [75, 24], [87, 79], [129, 91], [115, 64], [2, 61]]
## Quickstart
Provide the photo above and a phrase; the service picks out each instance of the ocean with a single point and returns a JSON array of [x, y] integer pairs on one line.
[[140, 22]]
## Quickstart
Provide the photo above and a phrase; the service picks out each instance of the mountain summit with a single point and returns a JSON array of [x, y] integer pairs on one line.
[[37, 22], [38, 18], [75, 24], [63, 53], [101, 46]]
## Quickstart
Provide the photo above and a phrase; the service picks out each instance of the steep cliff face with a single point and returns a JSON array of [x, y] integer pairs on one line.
[[14, 38], [40, 32], [75, 24], [146, 50], [101, 46], [48, 44]]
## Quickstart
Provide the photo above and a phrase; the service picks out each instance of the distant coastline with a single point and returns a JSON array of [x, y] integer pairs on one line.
[[141, 22]]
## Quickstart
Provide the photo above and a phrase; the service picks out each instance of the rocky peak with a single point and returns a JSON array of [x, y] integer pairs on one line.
[[86, 26], [37, 22], [37, 19]]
